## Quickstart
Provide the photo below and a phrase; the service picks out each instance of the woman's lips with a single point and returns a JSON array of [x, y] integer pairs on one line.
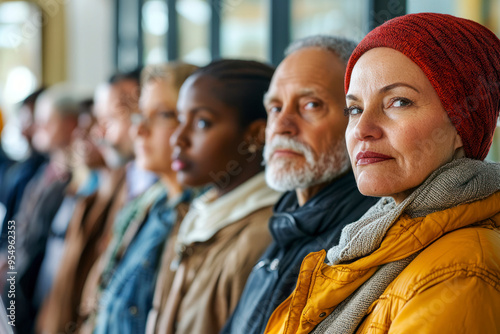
[[178, 165], [368, 157]]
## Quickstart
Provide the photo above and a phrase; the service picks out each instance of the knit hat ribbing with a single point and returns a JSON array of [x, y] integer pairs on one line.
[[461, 59]]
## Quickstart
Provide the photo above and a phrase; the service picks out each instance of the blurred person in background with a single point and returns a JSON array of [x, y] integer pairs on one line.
[[126, 285], [56, 116], [5, 163], [218, 142], [84, 182], [20, 173], [119, 183], [115, 102]]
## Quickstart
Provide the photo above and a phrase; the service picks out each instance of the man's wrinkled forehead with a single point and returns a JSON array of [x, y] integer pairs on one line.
[[272, 96], [309, 70], [312, 61]]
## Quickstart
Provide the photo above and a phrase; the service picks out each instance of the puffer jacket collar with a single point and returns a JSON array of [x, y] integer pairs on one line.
[[322, 287], [336, 202]]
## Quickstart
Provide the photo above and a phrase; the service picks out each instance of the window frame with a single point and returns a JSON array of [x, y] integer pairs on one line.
[[280, 28]]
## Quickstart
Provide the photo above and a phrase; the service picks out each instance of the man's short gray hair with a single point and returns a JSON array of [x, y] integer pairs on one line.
[[341, 46], [66, 98]]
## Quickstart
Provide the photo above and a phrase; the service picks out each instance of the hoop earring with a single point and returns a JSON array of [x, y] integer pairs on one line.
[[252, 148]]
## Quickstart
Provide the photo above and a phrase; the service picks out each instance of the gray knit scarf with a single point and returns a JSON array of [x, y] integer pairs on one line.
[[458, 182]]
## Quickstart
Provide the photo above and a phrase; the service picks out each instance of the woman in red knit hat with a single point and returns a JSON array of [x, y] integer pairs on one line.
[[423, 98]]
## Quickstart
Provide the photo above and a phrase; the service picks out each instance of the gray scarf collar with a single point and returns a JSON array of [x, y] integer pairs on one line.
[[458, 182]]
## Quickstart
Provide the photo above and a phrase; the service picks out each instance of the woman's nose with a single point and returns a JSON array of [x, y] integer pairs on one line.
[[179, 137], [367, 125]]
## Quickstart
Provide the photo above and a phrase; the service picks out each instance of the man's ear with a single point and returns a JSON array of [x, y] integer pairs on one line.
[[256, 133]]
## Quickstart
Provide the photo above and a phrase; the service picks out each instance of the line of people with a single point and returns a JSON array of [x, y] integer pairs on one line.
[[239, 198]]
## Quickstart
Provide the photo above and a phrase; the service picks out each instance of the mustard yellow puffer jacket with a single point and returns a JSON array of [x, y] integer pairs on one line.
[[452, 286]]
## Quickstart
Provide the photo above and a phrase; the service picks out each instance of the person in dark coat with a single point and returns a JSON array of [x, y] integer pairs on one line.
[[17, 175], [5, 163], [56, 116], [306, 156]]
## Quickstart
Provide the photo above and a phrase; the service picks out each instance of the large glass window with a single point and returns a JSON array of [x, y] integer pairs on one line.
[[486, 12], [332, 17], [129, 38], [494, 154], [194, 27], [492, 11], [244, 29], [20, 64], [452, 7], [154, 31], [20, 45]]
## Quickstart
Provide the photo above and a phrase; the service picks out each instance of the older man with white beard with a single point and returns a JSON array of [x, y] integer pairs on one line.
[[306, 156]]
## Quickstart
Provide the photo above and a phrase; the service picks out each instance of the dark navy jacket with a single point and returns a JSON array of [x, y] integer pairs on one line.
[[297, 231], [12, 188]]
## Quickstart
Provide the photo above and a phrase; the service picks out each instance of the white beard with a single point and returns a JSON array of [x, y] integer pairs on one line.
[[287, 174]]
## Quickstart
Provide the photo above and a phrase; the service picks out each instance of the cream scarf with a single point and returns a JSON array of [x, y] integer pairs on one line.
[[208, 214]]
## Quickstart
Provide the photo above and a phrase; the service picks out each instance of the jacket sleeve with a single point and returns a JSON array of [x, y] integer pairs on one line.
[[465, 304], [240, 262]]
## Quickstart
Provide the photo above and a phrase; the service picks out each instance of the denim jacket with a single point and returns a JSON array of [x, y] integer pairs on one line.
[[127, 298]]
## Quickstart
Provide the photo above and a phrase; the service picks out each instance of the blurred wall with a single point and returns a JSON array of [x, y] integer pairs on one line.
[[89, 35], [76, 40], [53, 40]]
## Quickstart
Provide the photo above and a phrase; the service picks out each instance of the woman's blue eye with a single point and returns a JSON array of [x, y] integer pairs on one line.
[[353, 110]]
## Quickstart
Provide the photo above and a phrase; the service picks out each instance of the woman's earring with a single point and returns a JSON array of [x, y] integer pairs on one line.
[[252, 148]]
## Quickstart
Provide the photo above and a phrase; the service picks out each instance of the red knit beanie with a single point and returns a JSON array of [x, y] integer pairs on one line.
[[461, 59]]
